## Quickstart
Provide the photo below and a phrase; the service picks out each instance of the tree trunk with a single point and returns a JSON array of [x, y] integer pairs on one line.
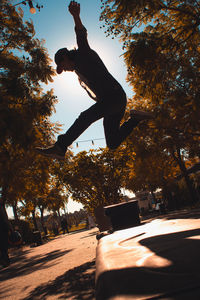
[[59, 216], [14, 207], [34, 220], [4, 194], [191, 190], [167, 194], [42, 218]]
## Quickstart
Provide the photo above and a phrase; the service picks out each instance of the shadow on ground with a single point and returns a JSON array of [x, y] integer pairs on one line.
[[178, 278], [77, 283], [90, 234], [184, 214], [22, 265], [170, 215]]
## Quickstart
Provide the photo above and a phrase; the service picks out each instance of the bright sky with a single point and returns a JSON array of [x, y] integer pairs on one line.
[[55, 25]]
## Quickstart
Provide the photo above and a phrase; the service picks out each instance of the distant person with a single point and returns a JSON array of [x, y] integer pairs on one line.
[[64, 225], [101, 86], [55, 226], [91, 223]]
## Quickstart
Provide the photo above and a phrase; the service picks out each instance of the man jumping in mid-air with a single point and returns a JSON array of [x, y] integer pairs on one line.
[[101, 86]]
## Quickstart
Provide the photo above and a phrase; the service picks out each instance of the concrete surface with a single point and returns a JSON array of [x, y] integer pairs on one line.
[[157, 260], [63, 268]]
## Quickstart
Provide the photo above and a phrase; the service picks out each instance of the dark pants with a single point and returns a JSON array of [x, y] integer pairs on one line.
[[111, 107]]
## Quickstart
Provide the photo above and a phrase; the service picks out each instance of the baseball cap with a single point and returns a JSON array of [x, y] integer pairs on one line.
[[59, 57]]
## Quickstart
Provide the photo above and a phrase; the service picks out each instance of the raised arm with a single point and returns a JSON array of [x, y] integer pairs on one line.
[[81, 32], [74, 9]]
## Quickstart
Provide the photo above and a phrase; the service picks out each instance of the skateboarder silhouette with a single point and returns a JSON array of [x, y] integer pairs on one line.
[[101, 86]]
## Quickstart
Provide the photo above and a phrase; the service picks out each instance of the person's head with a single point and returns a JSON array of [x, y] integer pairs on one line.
[[64, 60]]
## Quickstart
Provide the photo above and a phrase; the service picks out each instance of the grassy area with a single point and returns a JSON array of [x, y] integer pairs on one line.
[[71, 229], [79, 227]]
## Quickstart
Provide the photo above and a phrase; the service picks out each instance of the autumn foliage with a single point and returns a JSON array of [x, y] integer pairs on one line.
[[160, 43]]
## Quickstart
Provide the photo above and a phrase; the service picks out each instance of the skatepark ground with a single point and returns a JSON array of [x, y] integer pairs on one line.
[[63, 268]]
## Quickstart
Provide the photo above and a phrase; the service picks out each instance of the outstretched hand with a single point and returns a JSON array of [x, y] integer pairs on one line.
[[74, 8]]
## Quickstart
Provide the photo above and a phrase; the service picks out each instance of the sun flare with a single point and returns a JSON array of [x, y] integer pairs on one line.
[[68, 83]]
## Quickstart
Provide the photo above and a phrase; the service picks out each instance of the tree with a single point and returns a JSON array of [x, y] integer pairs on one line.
[[162, 59], [24, 107], [23, 103], [93, 178], [56, 198]]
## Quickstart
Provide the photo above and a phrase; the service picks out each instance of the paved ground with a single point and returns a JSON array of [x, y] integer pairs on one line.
[[63, 268]]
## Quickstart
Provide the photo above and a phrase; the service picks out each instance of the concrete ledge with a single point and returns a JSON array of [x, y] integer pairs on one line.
[[158, 260]]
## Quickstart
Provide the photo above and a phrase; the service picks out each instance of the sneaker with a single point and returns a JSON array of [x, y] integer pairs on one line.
[[141, 115], [53, 151]]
